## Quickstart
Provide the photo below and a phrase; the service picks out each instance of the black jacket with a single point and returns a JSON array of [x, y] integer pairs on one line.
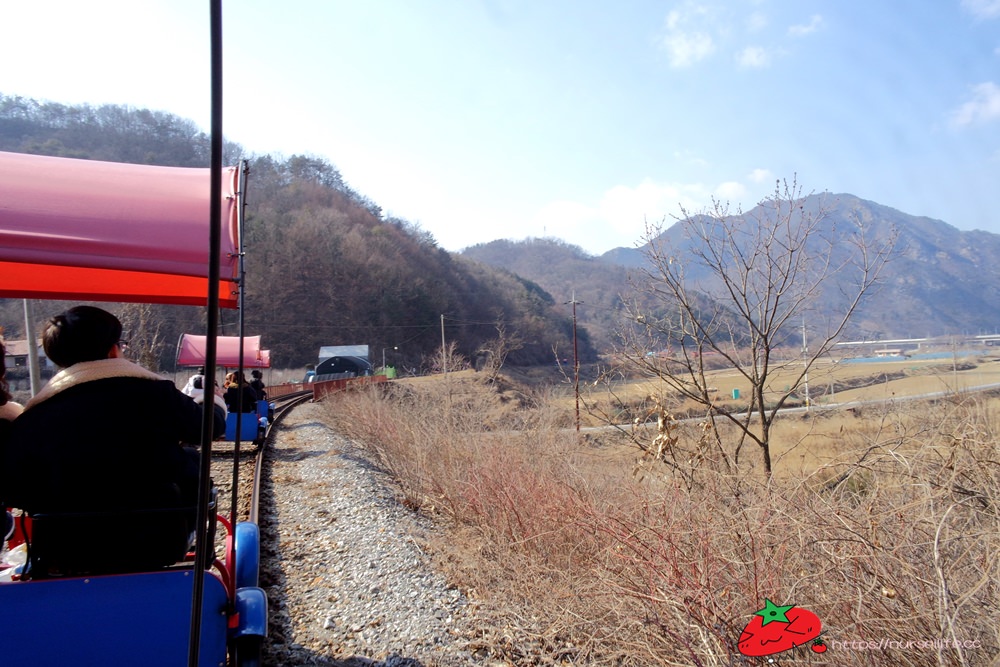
[[106, 444], [241, 398]]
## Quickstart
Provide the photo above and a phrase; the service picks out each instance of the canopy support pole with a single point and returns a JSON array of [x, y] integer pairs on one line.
[[241, 201], [202, 548]]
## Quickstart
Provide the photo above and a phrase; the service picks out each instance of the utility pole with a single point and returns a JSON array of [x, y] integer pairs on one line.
[[444, 354], [576, 364], [805, 360], [394, 347]]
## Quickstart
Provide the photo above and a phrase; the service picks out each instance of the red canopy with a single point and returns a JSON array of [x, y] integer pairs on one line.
[[191, 352], [104, 231]]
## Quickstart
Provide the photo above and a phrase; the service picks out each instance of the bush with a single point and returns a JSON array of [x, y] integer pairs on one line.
[[896, 538]]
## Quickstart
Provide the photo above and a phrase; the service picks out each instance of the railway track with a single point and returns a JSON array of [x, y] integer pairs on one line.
[[250, 457]]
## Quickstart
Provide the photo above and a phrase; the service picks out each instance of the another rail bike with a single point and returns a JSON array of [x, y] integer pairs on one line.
[[237, 352]]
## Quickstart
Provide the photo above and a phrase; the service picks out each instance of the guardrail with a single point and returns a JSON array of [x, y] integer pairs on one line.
[[322, 388], [327, 387]]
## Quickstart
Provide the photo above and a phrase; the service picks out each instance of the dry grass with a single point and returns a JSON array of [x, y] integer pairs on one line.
[[882, 521], [829, 383]]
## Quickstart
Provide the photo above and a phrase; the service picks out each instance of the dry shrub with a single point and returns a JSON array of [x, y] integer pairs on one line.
[[896, 539]]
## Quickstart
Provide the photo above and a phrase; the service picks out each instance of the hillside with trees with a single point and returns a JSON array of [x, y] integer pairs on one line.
[[567, 273], [324, 267]]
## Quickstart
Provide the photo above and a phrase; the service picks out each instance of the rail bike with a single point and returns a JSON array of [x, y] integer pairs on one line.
[[238, 353], [97, 231]]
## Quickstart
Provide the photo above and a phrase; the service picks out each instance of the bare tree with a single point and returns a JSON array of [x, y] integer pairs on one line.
[[739, 289], [494, 352], [142, 328]]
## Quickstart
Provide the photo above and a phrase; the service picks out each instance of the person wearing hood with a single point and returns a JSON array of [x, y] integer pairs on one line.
[[195, 384], [105, 434]]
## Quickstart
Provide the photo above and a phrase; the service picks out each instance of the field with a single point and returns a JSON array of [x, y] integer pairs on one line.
[[880, 517]]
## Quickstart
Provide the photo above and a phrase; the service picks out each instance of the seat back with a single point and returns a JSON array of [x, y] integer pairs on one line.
[[128, 619], [88, 543], [248, 426]]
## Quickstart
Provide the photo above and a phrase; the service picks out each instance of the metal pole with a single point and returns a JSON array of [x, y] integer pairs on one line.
[[202, 549], [240, 204], [805, 360], [576, 365], [444, 354], [32, 340]]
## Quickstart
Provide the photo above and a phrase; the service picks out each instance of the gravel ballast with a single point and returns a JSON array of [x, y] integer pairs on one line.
[[347, 580]]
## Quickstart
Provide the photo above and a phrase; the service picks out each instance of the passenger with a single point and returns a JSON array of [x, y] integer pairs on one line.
[[240, 396], [258, 385], [105, 435], [199, 378]]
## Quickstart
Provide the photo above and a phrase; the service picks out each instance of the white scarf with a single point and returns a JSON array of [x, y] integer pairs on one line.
[[87, 371], [10, 410]]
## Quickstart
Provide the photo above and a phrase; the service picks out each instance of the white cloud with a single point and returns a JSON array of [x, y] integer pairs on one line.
[[801, 30], [983, 9], [685, 49], [621, 215], [691, 158], [753, 57], [730, 190], [627, 208], [760, 176], [983, 107], [561, 218], [688, 39]]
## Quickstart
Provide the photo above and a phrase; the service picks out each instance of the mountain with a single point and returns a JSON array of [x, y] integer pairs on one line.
[[567, 273], [940, 280]]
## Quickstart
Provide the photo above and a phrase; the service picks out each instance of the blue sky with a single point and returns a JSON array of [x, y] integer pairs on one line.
[[574, 119]]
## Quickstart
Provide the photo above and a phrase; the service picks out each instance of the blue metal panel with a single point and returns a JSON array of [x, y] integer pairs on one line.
[[251, 605], [248, 428], [131, 619]]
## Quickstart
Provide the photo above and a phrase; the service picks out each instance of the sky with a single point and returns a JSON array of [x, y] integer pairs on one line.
[[580, 120]]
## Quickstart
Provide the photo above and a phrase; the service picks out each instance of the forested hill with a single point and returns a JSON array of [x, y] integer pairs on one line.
[[324, 267], [569, 274]]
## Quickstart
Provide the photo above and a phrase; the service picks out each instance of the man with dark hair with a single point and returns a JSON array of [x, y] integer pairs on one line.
[[105, 434], [257, 383]]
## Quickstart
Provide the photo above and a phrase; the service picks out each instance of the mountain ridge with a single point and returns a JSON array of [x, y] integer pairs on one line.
[[940, 281]]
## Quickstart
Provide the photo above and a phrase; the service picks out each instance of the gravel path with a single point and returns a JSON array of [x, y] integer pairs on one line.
[[347, 581]]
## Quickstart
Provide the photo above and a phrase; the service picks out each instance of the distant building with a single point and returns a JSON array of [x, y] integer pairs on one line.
[[17, 354], [330, 351]]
